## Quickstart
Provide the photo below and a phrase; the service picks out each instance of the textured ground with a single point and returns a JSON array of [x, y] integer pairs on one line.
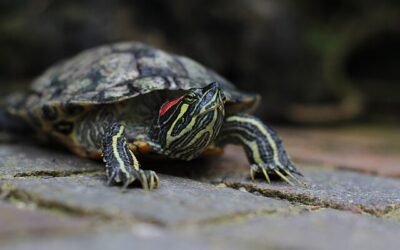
[[50, 199]]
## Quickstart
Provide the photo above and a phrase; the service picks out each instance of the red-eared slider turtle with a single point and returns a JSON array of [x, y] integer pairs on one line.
[[127, 99]]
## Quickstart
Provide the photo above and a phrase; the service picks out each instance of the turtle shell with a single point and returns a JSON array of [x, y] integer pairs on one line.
[[121, 71]]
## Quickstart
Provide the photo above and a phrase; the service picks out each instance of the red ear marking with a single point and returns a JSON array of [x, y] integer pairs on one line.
[[164, 108]]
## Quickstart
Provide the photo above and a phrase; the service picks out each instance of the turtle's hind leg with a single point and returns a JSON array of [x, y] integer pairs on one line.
[[122, 165], [263, 147]]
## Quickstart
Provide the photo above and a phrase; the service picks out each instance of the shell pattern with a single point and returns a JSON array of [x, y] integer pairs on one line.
[[121, 71]]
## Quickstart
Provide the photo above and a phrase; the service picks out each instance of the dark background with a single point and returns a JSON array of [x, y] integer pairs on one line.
[[314, 62]]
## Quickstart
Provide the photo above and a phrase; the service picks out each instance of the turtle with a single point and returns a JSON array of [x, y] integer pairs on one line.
[[120, 101]]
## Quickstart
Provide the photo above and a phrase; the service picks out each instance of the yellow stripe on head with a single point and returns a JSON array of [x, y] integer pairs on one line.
[[182, 112]]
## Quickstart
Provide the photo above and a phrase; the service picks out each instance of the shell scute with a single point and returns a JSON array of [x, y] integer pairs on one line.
[[113, 73]]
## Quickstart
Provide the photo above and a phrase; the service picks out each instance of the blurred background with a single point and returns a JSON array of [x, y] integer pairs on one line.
[[314, 62]]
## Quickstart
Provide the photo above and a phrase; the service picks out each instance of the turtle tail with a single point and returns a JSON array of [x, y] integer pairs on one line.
[[13, 124], [10, 122]]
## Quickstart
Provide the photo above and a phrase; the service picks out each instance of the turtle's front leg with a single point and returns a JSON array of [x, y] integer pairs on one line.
[[263, 147], [121, 164]]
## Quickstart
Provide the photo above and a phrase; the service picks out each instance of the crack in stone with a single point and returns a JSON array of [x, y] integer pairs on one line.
[[390, 212], [246, 215], [51, 173], [12, 194]]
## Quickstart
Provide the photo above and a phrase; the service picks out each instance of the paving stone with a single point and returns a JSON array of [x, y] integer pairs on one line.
[[142, 236], [372, 149], [25, 160], [178, 201], [325, 229], [185, 213], [23, 222], [333, 188]]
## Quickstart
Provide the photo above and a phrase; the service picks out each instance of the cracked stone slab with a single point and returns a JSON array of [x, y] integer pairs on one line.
[[23, 221], [323, 229], [178, 201], [25, 160], [139, 236], [332, 188]]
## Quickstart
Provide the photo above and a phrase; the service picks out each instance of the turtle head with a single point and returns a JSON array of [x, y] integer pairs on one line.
[[189, 124]]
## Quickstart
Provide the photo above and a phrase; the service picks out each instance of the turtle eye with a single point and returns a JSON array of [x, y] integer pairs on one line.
[[190, 98]]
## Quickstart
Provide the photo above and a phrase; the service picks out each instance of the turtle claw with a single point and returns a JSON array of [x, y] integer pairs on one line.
[[111, 177], [266, 175], [294, 177], [154, 181], [148, 179], [127, 183], [278, 172], [253, 171], [284, 173]]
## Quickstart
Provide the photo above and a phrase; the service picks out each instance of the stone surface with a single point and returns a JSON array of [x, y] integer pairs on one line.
[[59, 201], [26, 160], [332, 188], [324, 229], [375, 150], [178, 201], [142, 236], [25, 222]]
